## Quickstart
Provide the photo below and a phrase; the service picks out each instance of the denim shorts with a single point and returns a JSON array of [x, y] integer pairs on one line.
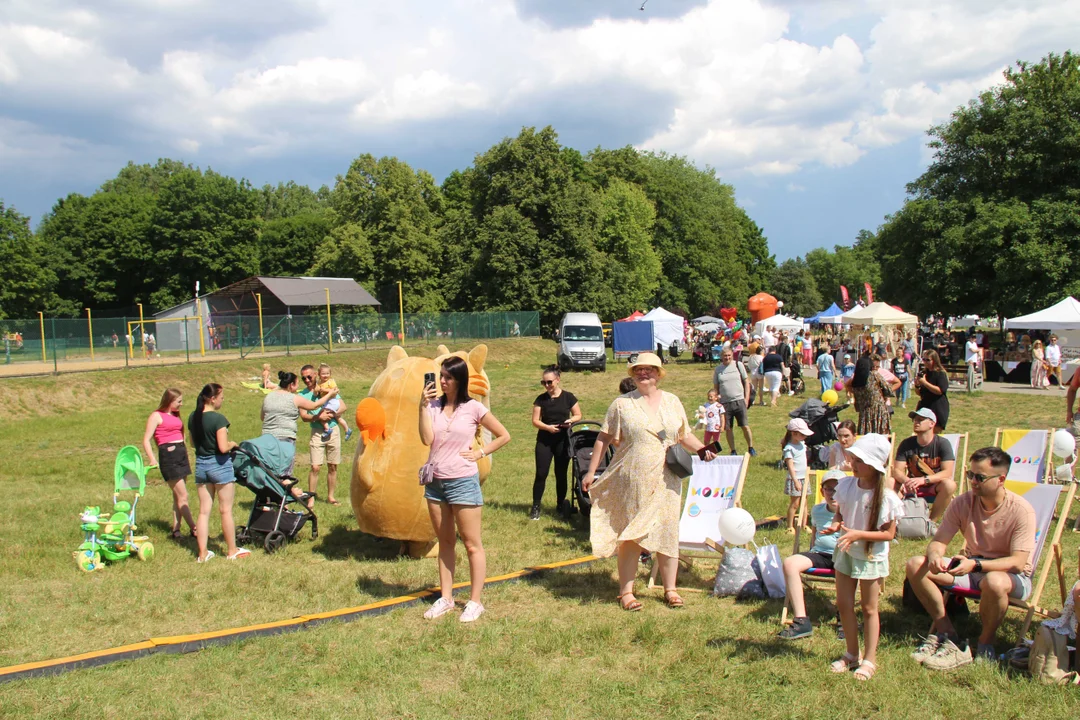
[[456, 491], [215, 470]]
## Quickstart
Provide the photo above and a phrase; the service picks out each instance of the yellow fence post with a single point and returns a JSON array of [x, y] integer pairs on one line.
[[262, 343], [202, 340], [130, 341], [90, 326], [41, 320], [401, 312], [142, 330], [329, 330]]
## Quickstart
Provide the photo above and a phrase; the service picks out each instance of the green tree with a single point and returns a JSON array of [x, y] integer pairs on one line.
[[399, 211], [27, 283], [793, 283], [993, 225], [345, 252], [290, 244], [631, 264]]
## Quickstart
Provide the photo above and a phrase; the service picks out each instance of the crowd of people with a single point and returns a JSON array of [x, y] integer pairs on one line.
[[636, 500]]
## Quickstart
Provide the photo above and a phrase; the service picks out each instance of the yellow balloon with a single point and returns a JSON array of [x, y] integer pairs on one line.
[[829, 397]]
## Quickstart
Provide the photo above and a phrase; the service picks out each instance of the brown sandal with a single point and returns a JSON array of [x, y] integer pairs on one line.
[[633, 605], [673, 599]]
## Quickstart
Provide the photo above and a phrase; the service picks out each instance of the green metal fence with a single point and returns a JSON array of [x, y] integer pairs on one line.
[[58, 344]]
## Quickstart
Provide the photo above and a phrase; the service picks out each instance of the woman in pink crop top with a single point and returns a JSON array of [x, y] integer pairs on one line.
[[167, 429], [450, 425]]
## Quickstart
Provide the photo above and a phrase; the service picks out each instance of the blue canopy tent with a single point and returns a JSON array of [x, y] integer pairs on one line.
[[631, 337], [829, 316]]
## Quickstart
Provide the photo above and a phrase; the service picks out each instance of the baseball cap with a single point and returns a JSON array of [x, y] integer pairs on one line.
[[799, 425], [923, 412]]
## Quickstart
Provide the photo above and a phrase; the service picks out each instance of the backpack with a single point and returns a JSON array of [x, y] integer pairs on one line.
[[916, 523], [1048, 661]]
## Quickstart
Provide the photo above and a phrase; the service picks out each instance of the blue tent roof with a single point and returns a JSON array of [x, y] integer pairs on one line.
[[832, 311]]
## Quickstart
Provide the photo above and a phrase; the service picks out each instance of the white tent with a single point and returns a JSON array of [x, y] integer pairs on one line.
[[1063, 316], [879, 313], [667, 326], [778, 322]]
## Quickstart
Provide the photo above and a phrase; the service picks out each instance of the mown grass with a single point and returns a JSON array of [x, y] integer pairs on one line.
[[556, 646]]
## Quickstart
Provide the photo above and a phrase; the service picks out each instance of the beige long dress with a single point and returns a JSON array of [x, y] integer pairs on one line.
[[637, 497]]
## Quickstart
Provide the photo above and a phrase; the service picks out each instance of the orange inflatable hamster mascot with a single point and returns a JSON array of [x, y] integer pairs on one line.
[[387, 498]]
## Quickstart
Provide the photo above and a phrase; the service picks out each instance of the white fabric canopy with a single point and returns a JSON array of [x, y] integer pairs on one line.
[[838, 319], [779, 322], [879, 313], [667, 326], [1063, 316]]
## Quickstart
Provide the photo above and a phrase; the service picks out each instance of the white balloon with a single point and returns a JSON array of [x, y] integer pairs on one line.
[[1064, 444], [736, 526]]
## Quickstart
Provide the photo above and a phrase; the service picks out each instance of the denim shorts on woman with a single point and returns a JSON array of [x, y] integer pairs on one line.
[[458, 491], [215, 470]]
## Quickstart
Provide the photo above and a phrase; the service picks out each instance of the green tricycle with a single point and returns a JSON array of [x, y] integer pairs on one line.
[[111, 537]]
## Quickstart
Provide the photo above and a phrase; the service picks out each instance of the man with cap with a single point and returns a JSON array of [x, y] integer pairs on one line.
[[925, 464], [819, 557], [999, 538], [732, 383]]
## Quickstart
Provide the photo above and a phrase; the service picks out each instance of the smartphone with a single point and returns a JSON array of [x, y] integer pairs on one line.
[[429, 379], [955, 563], [713, 447]]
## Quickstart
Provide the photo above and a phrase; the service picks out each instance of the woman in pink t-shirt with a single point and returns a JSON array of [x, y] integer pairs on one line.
[[167, 429], [449, 425]]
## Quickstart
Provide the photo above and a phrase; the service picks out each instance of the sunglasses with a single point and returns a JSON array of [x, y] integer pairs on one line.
[[547, 383], [978, 477], [307, 378]]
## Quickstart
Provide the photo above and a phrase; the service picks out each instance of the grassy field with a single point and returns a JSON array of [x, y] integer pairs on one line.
[[557, 646]]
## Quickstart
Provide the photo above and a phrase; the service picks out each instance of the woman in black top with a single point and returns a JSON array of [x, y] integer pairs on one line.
[[553, 411], [932, 384]]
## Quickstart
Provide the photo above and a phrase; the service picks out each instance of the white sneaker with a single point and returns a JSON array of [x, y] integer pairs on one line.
[[440, 608], [472, 611], [208, 558]]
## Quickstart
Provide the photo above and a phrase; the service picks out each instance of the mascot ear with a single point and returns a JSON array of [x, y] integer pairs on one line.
[[442, 350], [477, 357], [396, 353]]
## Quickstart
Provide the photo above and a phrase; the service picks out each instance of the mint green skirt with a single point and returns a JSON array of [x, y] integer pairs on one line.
[[861, 569]]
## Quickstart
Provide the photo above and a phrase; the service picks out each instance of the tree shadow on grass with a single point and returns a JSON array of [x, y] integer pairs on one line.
[[379, 588], [343, 543], [745, 649], [585, 587]]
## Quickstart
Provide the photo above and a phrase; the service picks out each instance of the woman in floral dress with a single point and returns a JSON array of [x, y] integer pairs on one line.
[[870, 392], [635, 503]]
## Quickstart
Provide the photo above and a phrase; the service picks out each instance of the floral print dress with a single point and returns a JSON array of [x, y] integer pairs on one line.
[[637, 498]]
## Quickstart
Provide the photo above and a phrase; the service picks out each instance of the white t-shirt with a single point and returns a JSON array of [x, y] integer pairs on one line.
[[972, 354], [713, 413], [1053, 355], [838, 459], [768, 339], [854, 505], [797, 453]]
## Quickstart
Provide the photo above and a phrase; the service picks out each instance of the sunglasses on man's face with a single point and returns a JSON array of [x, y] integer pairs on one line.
[[979, 477], [308, 378]]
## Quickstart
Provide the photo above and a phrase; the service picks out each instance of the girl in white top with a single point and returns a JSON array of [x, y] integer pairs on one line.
[[838, 451], [867, 518], [794, 458]]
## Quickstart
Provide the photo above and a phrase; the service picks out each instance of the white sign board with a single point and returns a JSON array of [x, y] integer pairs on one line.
[[711, 490]]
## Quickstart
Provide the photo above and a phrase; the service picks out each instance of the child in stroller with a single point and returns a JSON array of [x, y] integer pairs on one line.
[[580, 440], [822, 419], [259, 465]]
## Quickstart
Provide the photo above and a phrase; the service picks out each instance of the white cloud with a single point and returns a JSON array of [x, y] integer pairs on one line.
[[741, 92]]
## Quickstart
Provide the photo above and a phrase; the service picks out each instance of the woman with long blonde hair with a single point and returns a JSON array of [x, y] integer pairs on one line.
[[1039, 376]]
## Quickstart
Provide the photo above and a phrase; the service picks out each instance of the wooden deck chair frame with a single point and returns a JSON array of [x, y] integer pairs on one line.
[[960, 469], [1047, 456], [687, 557], [813, 477], [1031, 606]]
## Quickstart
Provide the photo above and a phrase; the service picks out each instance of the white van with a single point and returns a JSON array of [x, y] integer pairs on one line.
[[581, 342]]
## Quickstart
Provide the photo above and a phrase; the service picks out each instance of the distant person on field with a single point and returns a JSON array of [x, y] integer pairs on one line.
[[925, 464], [322, 450], [167, 429], [793, 455], [1053, 360], [553, 412], [281, 411], [999, 538], [732, 383]]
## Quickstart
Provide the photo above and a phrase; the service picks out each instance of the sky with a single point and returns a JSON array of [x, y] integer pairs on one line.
[[816, 111]]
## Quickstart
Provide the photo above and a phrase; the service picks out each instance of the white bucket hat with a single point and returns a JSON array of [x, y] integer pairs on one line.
[[872, 449]]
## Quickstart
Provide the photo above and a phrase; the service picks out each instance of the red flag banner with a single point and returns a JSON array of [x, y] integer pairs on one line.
[[844, 297], [869, 293]]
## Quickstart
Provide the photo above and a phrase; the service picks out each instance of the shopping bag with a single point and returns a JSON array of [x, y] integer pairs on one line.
[[768, 566]]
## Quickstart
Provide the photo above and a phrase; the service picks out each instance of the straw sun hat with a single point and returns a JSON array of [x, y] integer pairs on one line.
[[647, 359]]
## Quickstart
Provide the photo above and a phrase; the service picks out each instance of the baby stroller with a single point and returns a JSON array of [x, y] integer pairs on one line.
[[822, 419], [259, 465], [715, 350], [580, 440], [701, 352], [796, 379]]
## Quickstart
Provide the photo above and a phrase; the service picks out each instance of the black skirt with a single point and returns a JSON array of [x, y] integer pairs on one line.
[[173, 461]]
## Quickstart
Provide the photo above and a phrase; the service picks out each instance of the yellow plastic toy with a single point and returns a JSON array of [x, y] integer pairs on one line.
[[387, 498]]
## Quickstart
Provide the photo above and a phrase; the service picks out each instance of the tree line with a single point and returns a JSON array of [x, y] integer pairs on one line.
[[531, 224]]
